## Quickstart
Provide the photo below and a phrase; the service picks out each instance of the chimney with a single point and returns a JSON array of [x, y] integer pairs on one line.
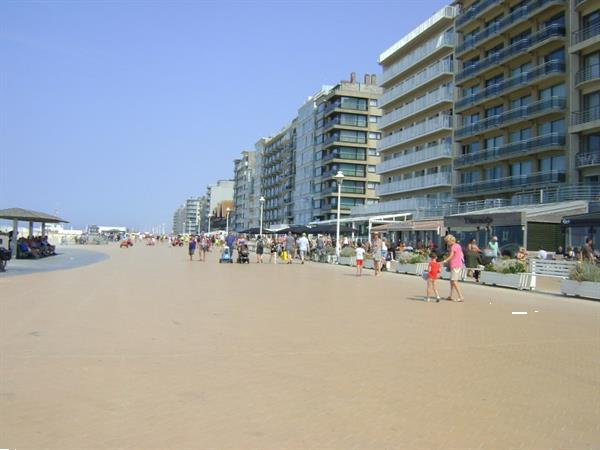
[[367, 79], [374, 80], [353, 77]]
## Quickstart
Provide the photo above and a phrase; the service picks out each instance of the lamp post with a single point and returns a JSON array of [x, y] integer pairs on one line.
[[209, 217], [227, 222], [262, 204], [339, 178]]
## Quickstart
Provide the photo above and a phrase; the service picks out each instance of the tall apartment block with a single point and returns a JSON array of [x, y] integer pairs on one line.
[[417, 103], [245, 198], [511, 81], [584, 58], [345, 139], [216, 194], [179, 220], [277, 175], [193, 215]]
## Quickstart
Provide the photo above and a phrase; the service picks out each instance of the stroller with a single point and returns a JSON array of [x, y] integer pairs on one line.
[[243, 254], [226, 256]]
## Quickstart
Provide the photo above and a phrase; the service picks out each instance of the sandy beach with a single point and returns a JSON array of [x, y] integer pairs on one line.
[[147, 350]]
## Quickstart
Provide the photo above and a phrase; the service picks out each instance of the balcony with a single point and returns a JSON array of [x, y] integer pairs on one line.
[[446, 40], [416, 157], [353, 106], [535, 109], [345, 139], [518, 15], [430, 126], [587, 159], [473, 12], [587, 74], [347, 173], [508, 184], [346, 123], [512, 150], [443, 67], [586, 116], [513, 83], [427, 101], [523, 45], [348, 156], [416, 183], [586, 33], [395, 206], [360, 190]]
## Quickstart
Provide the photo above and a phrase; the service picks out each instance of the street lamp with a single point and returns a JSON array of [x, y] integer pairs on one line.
[[262, 204], [339, 178], [227, 226], [209, 217]]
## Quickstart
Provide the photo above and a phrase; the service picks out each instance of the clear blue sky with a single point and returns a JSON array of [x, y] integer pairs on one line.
[[113, 113]]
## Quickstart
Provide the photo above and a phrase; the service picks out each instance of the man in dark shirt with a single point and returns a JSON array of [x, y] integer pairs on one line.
[[587, 251]]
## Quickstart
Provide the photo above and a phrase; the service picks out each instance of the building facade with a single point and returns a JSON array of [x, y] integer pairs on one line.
[[245, 213], [216, 193], [193, 215], [512, 104], [277, 156], [179, 220], [417, 103], [584, 80], [345, 140]]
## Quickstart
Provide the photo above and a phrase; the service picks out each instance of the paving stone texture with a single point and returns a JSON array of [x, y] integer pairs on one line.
[[147, 350]]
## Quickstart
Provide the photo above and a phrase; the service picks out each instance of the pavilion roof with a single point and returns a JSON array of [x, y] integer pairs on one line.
[[29, 216]]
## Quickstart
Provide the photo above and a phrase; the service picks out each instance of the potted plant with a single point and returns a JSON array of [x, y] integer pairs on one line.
[[411, 263], [583, 281], [508, 273], [347, 256], [368, 262], [330, 255]]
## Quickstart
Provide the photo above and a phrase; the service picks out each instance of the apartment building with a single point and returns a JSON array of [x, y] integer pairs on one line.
[[179, 220], [345, 139], [192, 215], [216, 194], [417, 103], [245, 199], [277, 157], [584, 79], [511, 106]]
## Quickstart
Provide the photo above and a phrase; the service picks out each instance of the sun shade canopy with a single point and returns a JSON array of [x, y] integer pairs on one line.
[[27, 215]]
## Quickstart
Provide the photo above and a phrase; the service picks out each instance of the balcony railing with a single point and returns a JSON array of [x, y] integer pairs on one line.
[[523, 45], [418, 54], [346, 172], [410, 84], [512, 115], [432, 98], [586, 115], [351, 156], [588, 159], [588, 74], [411, 184], [347, 139], [396, 206], [347, 105], [504, 86], [337, 121], [585, 33], [513, 149], [474, 11], [517, 15], [509, 183], [429, 126], [416, 157], [345, 189]]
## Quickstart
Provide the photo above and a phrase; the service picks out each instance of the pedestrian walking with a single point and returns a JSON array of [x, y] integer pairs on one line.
[[273, 252], [290, 244], [494, 248], [303, 246], [376, 253], [433, 272], [192, 247], [360, 257], [455, 261], [260, 248]]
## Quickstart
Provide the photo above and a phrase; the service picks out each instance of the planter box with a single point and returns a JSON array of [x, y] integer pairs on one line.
[[368, 264], [411, 269], [588, 289], [511, 280], [331, 259], [445, 274], [347, 260]]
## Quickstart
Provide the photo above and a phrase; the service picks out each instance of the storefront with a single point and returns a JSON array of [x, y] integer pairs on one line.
[[580, 227], [414, 232]]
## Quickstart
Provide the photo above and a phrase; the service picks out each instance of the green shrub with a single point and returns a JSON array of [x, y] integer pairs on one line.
[[348, 252], [585, 272], [330, 251], [507, 266], [411, 258]]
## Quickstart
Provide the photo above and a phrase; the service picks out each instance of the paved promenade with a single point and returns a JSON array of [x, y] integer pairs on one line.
[[147, 350]]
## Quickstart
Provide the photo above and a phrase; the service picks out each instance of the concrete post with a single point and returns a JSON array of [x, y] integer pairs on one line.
[[13, 244], [30, 229]]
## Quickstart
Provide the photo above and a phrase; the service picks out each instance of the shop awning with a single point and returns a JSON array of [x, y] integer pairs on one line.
[[412, 225], [582, 220]]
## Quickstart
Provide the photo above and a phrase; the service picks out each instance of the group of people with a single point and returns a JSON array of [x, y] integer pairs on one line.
[[34, 247], [202, 243]]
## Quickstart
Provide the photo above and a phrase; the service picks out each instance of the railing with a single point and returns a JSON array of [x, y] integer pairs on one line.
[[552, 140], [416, 157], [443, 121], [555, 30], [428, 100], [474, 11], [433, 71], [355, 107], [508, 183], [337, 121], [497, 27], [345, 155], [518, 80], [346, 172], [587, 74], [339, 138], [396, 206], [425, 181], [516, 114], [588, 159], [585, 33], [586, 115], [418, 54], [345, 189]]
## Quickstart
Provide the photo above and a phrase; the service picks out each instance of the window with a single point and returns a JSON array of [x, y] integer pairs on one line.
[[354, 120], [558, 19], [521, 168], [521, 101], [470, 62], [558, 90], [520, 70], [373, 102], [591, 101], [493, 173], [371, 168], [494, 142], [494, 21], [520, 135], [494, 50], [373, 119], [494, 111], [591, 143], [592, 61], [494, 80], [353, 103], [470, 177], [520, 36], [471, 119], [373, 152], [374, 135], [471, 90], [371, 185], [556, 55], [556, 126], [472, 147], [553, 164], [433, 170]]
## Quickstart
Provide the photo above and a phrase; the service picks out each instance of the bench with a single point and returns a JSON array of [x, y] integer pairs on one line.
[[551, 268]]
